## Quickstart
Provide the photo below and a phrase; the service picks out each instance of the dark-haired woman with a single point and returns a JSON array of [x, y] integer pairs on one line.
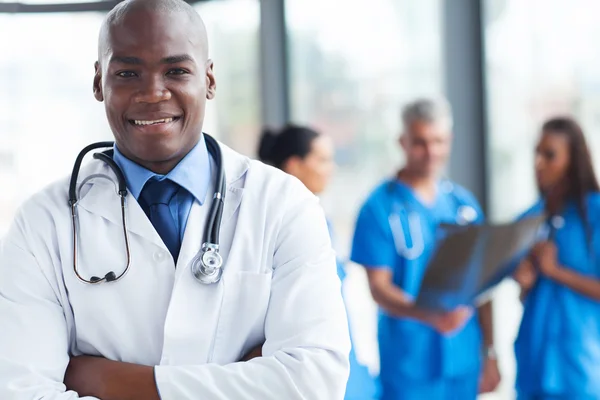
[[558, 345], [308, 155]]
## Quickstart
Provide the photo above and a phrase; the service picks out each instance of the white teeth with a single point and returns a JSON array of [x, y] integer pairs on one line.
[[158, 121]]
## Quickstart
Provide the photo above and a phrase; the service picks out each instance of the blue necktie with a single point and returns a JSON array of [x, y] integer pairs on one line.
[[156, 197]]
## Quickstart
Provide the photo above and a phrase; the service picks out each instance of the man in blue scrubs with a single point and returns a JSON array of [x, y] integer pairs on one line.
[[424, 355]]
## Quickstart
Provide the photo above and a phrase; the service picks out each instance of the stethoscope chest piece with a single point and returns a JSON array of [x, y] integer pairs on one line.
[[466, 215], [207, 265], [557, 221]]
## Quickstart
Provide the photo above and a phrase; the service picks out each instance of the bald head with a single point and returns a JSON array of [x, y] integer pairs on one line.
[[129, 10]]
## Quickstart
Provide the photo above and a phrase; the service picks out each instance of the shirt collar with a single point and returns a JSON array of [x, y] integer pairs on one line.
[[192, 173]]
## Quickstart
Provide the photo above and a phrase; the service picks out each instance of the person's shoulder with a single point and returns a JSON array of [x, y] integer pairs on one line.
[[381, 190], [255, 173], [463, 194], [276, 184], [593, 200], [51, 196], [53, 199], [41, 210], [593, 206], [267, 183]]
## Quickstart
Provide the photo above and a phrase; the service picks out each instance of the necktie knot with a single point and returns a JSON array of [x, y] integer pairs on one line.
[[159, 192]]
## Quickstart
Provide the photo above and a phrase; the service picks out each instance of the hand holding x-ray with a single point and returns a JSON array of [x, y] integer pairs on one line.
[[447, 322], [473, 259]]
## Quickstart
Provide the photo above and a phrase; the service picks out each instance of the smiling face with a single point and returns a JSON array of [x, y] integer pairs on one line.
[[154, 77]]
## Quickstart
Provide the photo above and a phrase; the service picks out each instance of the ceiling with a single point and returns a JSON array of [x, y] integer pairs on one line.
[[50, 6]]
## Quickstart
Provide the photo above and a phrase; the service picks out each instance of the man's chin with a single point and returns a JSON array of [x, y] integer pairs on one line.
[[152, 149], [429, 172]]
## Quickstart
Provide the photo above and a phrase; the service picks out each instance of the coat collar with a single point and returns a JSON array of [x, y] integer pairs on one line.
[[97, 193]]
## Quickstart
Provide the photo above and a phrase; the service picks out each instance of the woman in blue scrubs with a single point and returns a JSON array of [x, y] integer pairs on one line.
[[558, 345], [304, 153], [424, 355]]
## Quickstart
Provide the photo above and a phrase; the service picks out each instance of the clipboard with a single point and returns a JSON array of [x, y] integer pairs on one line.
[[470, 260]]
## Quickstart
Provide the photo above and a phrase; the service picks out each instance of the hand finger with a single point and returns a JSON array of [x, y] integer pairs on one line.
[[465, 312]]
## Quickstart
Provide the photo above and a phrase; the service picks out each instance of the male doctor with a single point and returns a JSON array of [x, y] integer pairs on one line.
[[158, 333], [424, 354]]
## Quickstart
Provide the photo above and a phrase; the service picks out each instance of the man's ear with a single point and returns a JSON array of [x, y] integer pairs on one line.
[[211, 83], [98, 82], [402, 140]]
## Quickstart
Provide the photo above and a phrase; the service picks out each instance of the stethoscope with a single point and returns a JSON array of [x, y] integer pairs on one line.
[[465, 215], [207, 265]]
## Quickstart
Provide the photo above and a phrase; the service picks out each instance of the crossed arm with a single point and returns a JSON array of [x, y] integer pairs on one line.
[[117, 380], [305, 355]]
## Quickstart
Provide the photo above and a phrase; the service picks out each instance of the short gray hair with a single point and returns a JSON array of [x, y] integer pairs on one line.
[[430, 110]]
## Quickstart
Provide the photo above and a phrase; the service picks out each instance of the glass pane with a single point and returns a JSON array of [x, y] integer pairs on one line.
[[352, 68], [48, 109], [350, 79], [234, 115], [538, 64]]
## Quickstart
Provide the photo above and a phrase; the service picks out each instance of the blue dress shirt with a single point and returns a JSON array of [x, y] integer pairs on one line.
[[193, 174]]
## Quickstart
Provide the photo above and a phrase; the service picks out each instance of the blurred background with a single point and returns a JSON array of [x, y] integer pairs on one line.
[[344, 67]]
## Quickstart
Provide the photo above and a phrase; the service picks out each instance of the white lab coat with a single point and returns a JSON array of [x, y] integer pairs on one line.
[[279, 286]]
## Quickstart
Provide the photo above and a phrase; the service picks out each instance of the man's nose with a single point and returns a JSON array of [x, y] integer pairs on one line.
[[428, 150], [538, 162], [153, 90]]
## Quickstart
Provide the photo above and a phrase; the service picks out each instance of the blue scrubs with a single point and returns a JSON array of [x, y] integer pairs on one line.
[[361, 385], [558, 345], [417, 362]]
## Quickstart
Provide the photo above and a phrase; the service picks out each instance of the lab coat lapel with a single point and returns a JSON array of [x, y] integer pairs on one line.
[[235, 169], [193, 238], [188, 292], [99, 195]]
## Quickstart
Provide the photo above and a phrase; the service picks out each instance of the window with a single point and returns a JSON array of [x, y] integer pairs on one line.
[[48, 110], [233, 32], [540, 62], [350, 78], [352, 68]]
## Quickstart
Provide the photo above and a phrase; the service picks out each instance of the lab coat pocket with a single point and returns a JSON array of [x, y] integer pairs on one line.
[[242, 320]]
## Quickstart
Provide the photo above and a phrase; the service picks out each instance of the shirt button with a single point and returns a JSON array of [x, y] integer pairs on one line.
[[557, 222], [160, 256]]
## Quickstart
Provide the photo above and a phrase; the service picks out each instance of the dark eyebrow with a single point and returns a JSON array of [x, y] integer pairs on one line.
[[138, 61], [177, 59], [126, 60]]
